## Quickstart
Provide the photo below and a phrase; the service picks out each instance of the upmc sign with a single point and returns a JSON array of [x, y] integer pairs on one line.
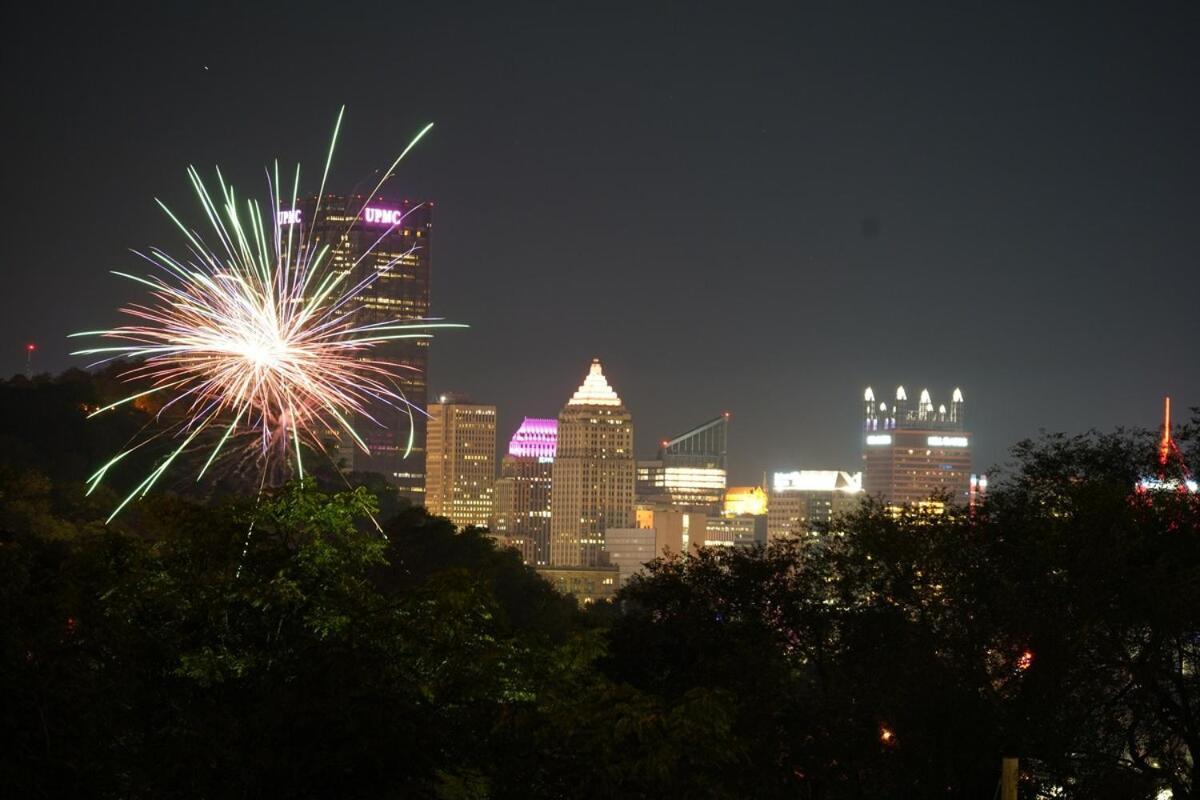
[[382, 216]]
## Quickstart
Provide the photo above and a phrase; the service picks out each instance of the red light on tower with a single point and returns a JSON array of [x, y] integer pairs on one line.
[[29, 348]]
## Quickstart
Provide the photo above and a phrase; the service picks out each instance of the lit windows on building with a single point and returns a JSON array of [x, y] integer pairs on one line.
[[522, 499], [399, 269], [593, 473], [915, 454], [460, 465], [802, 502], [690, 471]]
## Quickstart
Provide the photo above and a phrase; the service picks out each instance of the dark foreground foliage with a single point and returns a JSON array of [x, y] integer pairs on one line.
[[168, 655]]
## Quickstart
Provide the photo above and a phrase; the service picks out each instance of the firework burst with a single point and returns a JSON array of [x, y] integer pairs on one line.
[[253, 343]]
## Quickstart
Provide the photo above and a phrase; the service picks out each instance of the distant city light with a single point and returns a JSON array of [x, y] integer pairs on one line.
[[1168, 485], [817, 480], [745, 500], [947, 441]]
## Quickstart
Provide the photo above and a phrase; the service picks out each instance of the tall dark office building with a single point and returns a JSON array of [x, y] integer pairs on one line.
[[397, 236], [690, 472], [912, 454]]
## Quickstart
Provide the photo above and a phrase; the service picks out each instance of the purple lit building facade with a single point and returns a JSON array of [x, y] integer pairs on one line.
[[398, 236], [522, 497]]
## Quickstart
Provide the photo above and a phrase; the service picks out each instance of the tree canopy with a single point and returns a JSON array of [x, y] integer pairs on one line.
[[285, 646]]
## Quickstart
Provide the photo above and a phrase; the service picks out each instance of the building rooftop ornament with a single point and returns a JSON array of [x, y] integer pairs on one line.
[[595, 390], [536, 438]]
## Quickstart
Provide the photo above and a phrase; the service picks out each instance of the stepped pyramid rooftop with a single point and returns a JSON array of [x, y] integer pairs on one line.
[[595, 390]]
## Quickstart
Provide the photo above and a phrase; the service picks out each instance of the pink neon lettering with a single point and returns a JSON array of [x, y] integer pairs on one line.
[[385, 216]]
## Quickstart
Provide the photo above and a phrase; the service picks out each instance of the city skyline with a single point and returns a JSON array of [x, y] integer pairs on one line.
[[884, 195]]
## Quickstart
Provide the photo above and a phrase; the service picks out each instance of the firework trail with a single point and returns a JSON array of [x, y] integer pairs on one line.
[[252, 343]]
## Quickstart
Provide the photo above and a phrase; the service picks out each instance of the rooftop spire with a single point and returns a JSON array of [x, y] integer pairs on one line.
[[1165, 445], [595, 391]]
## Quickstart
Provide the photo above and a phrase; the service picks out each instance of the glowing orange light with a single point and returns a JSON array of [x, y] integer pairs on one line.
[[886, 735], [1025, 660]]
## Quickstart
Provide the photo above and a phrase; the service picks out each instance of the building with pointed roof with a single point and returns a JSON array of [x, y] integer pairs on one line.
[[592, 487]]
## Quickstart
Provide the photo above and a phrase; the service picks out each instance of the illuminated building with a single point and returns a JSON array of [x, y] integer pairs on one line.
[[585, 584], [741, 530], [977, 490], [1173, 473], [911, 454], [391, 240], [744, 500], [460, 464], [593, 473], [801, 502], [689, 473], [522, 515]]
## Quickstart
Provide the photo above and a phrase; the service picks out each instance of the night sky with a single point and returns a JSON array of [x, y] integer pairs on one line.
[[755, 208]]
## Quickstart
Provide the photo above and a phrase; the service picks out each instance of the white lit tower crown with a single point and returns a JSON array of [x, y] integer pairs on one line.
[[592, 485], [912, 454]]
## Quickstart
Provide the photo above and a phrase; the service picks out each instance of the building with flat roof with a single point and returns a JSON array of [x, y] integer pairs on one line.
[[803, 501], [460, 463], [387, 244], [914, 454], [630, 549], [585, 584], [741, 530]]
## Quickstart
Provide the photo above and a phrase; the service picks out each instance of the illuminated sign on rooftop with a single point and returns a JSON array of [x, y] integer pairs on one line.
[[374, 215], [879, 438], [289, 216], [947, 441]]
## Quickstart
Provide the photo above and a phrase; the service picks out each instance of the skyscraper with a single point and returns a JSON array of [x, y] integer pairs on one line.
[[911, 454], [593, 475], [689, 473], [391, 240], [522, 515], [460, 464]]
